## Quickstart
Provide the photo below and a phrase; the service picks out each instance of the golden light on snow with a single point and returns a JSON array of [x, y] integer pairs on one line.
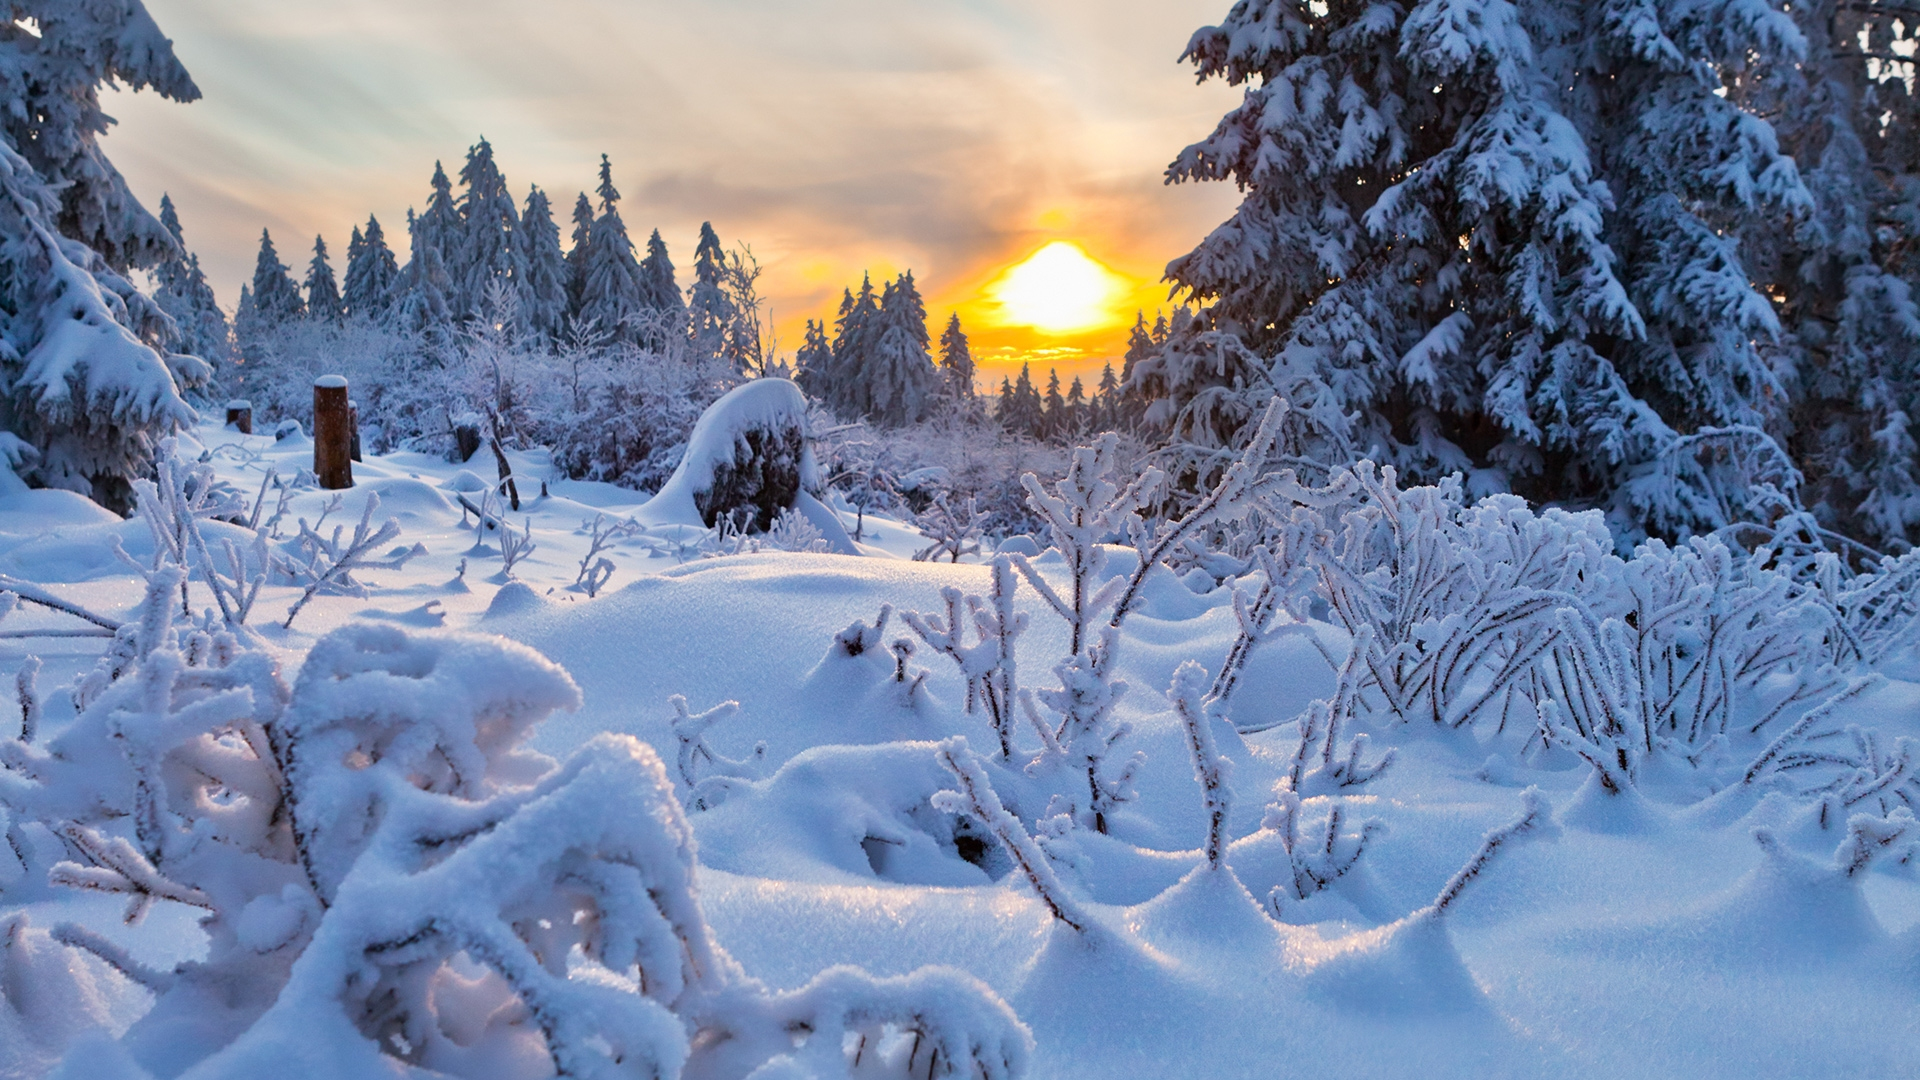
[[1059, 289]]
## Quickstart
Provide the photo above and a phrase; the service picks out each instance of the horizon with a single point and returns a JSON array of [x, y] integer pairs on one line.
[[955, 141]]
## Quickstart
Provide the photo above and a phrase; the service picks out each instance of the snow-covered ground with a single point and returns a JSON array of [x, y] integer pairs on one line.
[[1645, 934]]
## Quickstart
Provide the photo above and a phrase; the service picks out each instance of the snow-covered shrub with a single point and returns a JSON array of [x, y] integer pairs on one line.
[[393, 879]]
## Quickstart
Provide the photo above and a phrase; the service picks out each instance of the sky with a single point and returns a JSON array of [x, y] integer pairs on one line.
[[954, 138]]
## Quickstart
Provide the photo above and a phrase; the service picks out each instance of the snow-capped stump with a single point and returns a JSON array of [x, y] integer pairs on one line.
[[748, 455]]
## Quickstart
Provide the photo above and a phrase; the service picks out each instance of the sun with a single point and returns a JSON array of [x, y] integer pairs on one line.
[[1058, 290]]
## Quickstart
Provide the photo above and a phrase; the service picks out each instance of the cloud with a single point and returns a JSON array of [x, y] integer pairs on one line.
[[950, 136]]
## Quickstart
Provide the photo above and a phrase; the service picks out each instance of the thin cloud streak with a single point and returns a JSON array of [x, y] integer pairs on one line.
[[949, 137]]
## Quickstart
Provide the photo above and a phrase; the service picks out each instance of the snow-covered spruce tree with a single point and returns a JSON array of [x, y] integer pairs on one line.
[[1507, 237], [813, 362], [659, 292], [420, 293], [185, 294], [856, 330], [488, 221], [1846, 276], [956, 359], [275, 297], [372, 274], [611, 295], [539, 269], [898, 377], [89, 384], [709, 308], [578, 253], [323, 295]]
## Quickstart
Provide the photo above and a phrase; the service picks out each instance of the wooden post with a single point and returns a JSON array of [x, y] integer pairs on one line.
[[353, 415], [332, 433], [240, 415]]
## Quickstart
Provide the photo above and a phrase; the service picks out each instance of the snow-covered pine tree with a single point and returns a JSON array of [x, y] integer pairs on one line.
[[1025, 417], [185, 294], [1054, 417], [323, 296], [539, 269], [89, 385], [488, 222], [611, 295], [1506, 236], [1106, 401], [813, 362], [659, 291], [1076, 414], [428, 287], [1847, 116], [856, 331], [1005, 407], [579, 254], [709, 309], [956, 359], [421, 291], [275, 297], [372, 275], [51, 77], [898, 376]]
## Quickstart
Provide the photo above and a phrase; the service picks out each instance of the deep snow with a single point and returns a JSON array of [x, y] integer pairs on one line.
[[1647, 936]]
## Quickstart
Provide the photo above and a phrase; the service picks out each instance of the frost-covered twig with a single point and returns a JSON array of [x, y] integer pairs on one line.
[[988, 664], [116, 866], [977, 798], [1532, 819], [1320, 727], [330, 566], [26, 686], [954, 532], [1854, 688], [515, 548], [76, 936], [691, 731], [34, 594], [1222, 501], [1190, 701], [602, 533]]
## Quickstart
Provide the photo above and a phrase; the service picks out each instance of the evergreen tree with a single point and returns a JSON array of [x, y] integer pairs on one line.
[[200, 326], [580, 253], [612, 295], [897, 373], [1076, 414], [372, 274], [54, 119], [1515, 250], [88, 383], [710, 311], [275, 297], [1053, 422], [423, 285], [956, 359], [539, 269], [813, 363], [1106, 408], [658, 290], [488, 224], [1007, 408], [1846, 271], [1027, 416], [323, 296], [855, 333]]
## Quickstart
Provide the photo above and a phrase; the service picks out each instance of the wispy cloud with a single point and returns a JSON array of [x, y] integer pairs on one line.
[[946, 136]]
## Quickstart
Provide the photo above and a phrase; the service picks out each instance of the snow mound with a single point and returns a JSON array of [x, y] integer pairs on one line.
[[748, 451]]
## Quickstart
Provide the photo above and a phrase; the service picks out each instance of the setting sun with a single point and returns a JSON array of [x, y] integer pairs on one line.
[[1058, 290]]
